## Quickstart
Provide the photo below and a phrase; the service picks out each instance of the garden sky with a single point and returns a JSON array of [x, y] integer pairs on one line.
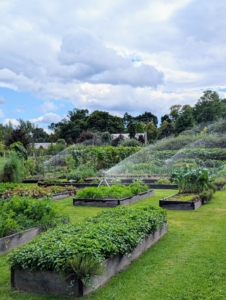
[[117, 56]]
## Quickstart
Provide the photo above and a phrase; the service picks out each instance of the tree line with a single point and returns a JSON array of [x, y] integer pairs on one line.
[[80, 125]]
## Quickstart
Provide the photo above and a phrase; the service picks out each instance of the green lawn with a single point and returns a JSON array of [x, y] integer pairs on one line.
[[188, 263]]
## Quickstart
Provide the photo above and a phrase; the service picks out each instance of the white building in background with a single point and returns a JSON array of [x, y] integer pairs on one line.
[[126, 135], [42, 145]]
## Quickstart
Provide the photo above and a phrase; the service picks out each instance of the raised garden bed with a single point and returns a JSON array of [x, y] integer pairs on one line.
[[59, 196], [50, 283], [71, 251], [174, 202], [17, 239], [112, 202]]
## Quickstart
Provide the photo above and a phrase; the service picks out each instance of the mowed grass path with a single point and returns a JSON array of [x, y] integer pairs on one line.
[[188, 263]]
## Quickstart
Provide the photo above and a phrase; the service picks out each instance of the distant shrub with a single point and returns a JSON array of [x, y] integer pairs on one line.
[[85, 136], [115, 142], [13, 170], [130, 143], [81, 173]]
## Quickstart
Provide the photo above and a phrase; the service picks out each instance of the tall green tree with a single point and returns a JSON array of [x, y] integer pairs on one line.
[[185, 120], [165, 130], [152, 131], [132, 130], [147, 117], [39, 135], [127, 119], [209, 107], [70, 128], [103, 121], [174, 112], [19, 134]]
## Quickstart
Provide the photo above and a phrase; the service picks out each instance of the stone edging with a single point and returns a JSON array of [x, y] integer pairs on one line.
[[50, 283]]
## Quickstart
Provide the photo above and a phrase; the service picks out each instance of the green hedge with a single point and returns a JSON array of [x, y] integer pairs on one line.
[[111, 232], [103, 157]]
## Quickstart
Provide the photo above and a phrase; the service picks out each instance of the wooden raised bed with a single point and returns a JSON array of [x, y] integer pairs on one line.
[[170, 203], [111, 202], [18, 239], [50, 283]]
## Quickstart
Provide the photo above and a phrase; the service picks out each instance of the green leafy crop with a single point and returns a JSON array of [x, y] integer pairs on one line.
[[20, 213], [111, 232], [118, 191]]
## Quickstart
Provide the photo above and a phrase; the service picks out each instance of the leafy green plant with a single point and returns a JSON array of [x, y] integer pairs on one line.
[[206, 195], [20, 213], [19, 149], [81, 173], [163, 181], [84, 266], [191, 180], [130, 143], [219, 181], [7, 186], [13, 170], [117, 191]]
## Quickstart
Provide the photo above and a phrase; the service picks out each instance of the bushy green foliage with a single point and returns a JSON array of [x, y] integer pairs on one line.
[[191, 180], [117, 191], [220, 181], [20, 213], [111, 232], [191, 140], [84, 266], [81, 173], [7, 186], [102, 157], [206, 195], [130, 143], [13, 170], [19, 149]]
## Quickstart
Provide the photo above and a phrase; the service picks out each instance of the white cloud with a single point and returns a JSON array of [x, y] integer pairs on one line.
[[48, 106], [84, 57], [116, 56], [47, 118], [48, 131], [14, 122]]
